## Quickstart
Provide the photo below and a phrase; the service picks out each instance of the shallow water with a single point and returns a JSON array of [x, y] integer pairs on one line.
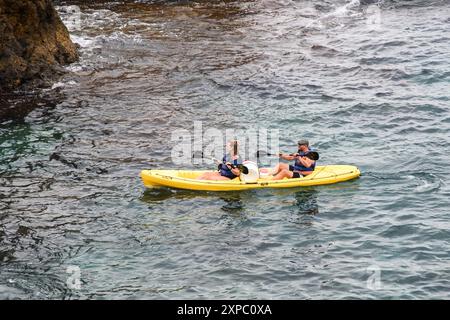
[[372, 95]]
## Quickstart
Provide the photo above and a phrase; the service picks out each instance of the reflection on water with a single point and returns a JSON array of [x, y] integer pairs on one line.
[[233, 201], [306, 201], [157, 194], [307, 207]]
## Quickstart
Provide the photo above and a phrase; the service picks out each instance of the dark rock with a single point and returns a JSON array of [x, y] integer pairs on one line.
[[33, 42]]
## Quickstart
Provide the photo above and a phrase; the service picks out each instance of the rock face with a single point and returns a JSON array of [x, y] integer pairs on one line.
[[33, 42]]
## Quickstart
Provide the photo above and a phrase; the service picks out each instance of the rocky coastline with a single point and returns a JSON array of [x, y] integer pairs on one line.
[[34, 45]]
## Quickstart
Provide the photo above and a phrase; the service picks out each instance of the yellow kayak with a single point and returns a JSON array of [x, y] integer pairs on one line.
[[186, 179]]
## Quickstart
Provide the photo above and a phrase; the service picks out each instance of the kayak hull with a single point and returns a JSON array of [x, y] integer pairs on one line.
[[186, 179]]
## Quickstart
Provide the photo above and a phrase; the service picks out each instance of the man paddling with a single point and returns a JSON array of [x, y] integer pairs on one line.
[[302, 166]]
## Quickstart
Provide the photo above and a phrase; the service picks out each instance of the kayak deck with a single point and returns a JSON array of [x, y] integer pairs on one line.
[[186, 179]]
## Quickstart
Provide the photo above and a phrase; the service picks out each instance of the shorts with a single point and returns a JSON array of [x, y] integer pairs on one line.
[[295, 174], [228, 174]]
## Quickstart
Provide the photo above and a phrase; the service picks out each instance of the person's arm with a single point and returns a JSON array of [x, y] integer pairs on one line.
[[306, 161], [236, 171], [286, 157]]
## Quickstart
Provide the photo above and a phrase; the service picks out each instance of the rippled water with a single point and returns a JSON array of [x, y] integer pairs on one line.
[[366, 89]]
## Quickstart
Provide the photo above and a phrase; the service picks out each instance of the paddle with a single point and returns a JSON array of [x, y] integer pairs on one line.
[[313, 155], [241, 167]]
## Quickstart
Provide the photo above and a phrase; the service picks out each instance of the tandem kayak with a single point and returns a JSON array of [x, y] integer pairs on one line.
[[186, 179]]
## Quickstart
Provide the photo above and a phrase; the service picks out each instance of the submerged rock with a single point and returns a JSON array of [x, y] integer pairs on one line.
[[34, 43]]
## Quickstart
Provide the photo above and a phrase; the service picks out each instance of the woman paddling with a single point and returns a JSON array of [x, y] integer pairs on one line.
[[227, 169]]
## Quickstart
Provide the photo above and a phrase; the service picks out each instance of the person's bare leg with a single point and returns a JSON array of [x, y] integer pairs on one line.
[[275, 169], [219, 177], [212, 176], [202, 176], [279, 167], [206, 176], [283, 174]]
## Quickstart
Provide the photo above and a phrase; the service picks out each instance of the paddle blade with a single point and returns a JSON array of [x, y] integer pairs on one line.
[[312, 155]]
